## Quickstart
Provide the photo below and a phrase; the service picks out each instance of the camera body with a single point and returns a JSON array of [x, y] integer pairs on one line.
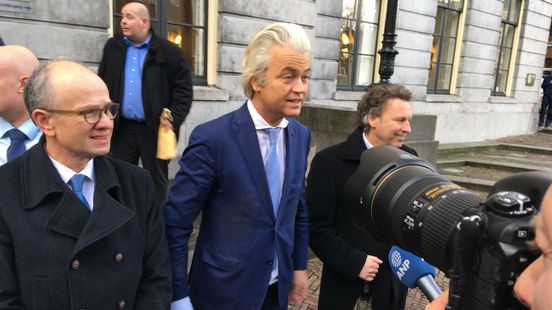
[[480, 244]]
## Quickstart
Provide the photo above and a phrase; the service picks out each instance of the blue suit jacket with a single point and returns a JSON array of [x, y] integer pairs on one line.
[[223, 176]]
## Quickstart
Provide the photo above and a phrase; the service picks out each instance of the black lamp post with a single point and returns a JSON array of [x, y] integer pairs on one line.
[[388, 51]]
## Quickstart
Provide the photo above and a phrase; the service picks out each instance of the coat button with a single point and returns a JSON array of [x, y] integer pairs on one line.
[[118, 257], [269, 262], [75, 264], [121, 304]]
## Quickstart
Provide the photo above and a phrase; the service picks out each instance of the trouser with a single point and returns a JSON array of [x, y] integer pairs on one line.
[[546, 110], [133, 141]]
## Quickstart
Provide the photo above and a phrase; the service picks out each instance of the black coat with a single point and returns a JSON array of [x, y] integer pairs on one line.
[[166, 80], [55, 254], [339, 244]]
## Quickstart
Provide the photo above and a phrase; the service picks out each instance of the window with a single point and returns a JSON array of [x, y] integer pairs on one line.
[[358, 41], [505, 49], [444, 46], [548, 57], [182, 22]]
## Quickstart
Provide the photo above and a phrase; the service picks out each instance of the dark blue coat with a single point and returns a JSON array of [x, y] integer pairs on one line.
[[223, 176], [55, 254]]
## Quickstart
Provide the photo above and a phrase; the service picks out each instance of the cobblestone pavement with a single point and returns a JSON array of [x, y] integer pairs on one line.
[[415, 300]]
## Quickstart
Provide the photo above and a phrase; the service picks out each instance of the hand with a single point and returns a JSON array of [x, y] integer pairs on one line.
[[439, 303], [299, 286], [370, 268], [166, 124]]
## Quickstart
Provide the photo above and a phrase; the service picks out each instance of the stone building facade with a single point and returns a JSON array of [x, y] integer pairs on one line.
[[477, 105]]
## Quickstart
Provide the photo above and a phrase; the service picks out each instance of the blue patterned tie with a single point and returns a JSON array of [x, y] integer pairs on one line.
[[17, 144], [272, 167], [76, 183]]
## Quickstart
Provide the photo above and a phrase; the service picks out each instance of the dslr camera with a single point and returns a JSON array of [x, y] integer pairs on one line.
[[480, 244]]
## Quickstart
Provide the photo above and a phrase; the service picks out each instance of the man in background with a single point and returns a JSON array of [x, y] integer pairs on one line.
[[17, 131], [78, 229], [245, 172], [353, 260], [145, 73], [545, 113]]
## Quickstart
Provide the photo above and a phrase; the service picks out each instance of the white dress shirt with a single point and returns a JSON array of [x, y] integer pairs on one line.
[[87, 187]]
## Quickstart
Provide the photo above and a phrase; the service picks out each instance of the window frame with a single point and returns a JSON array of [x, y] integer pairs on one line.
[[513, 53], [355, 53], [447, 7]]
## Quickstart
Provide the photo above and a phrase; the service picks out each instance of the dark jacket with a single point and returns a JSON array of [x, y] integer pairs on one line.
[[339, 244], [166, 79], [55, 254], [547, 85]]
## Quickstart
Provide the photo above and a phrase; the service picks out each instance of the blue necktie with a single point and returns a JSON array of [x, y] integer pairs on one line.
[[17, 144], [76, 183], [272, 167]]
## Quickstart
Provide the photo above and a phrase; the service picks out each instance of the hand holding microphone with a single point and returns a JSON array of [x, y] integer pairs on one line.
[[413, 272]]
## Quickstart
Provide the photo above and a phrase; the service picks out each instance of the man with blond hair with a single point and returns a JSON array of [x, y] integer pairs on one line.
[[17, 131], [245, 172]]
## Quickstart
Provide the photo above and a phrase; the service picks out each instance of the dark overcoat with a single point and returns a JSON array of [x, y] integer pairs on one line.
[[166, 80], [55, 254], [339, 244]]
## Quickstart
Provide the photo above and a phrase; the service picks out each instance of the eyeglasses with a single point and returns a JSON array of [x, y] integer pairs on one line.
[[91, 116]]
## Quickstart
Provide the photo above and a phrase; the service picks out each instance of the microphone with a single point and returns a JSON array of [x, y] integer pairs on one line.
[[413, 271]]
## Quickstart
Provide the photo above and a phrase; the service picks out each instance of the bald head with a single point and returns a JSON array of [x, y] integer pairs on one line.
[[16, 65], [57, 79], [138, 8], [135, 22], [21, 60]]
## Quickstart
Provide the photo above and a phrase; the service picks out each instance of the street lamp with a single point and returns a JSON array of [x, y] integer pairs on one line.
[[388, 51]]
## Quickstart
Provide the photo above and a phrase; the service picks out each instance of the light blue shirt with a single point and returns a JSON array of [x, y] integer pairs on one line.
[[28, 128], [89, 182], [132, 106]]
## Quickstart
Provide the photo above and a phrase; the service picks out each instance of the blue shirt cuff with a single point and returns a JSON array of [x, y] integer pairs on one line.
[[182, 304]]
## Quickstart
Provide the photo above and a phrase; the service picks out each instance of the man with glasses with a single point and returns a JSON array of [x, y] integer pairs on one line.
[[17, 131], [78, 229]]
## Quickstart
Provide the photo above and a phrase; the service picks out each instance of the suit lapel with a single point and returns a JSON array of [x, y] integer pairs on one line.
[[108, 214], [246, 135], [44, 188]]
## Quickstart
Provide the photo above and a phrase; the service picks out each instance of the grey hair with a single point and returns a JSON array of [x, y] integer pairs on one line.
[[38, 88], [256, 58]]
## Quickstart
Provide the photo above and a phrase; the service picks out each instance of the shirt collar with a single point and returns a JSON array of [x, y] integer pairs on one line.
[[259, 121], [143, 45], [66, 173], [28, 128], [366, 142]]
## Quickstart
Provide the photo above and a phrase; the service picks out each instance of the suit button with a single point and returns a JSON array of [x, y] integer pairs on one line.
[[118, 257], [269, 262], [121, 304], [75, 264]]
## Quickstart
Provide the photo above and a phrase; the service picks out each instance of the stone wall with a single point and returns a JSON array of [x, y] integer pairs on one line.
[[74, 29]]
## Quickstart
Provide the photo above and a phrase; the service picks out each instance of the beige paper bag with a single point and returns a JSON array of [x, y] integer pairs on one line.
[[166, 140]]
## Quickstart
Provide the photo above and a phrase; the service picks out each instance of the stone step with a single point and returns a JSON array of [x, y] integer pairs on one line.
[[477, 166]]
